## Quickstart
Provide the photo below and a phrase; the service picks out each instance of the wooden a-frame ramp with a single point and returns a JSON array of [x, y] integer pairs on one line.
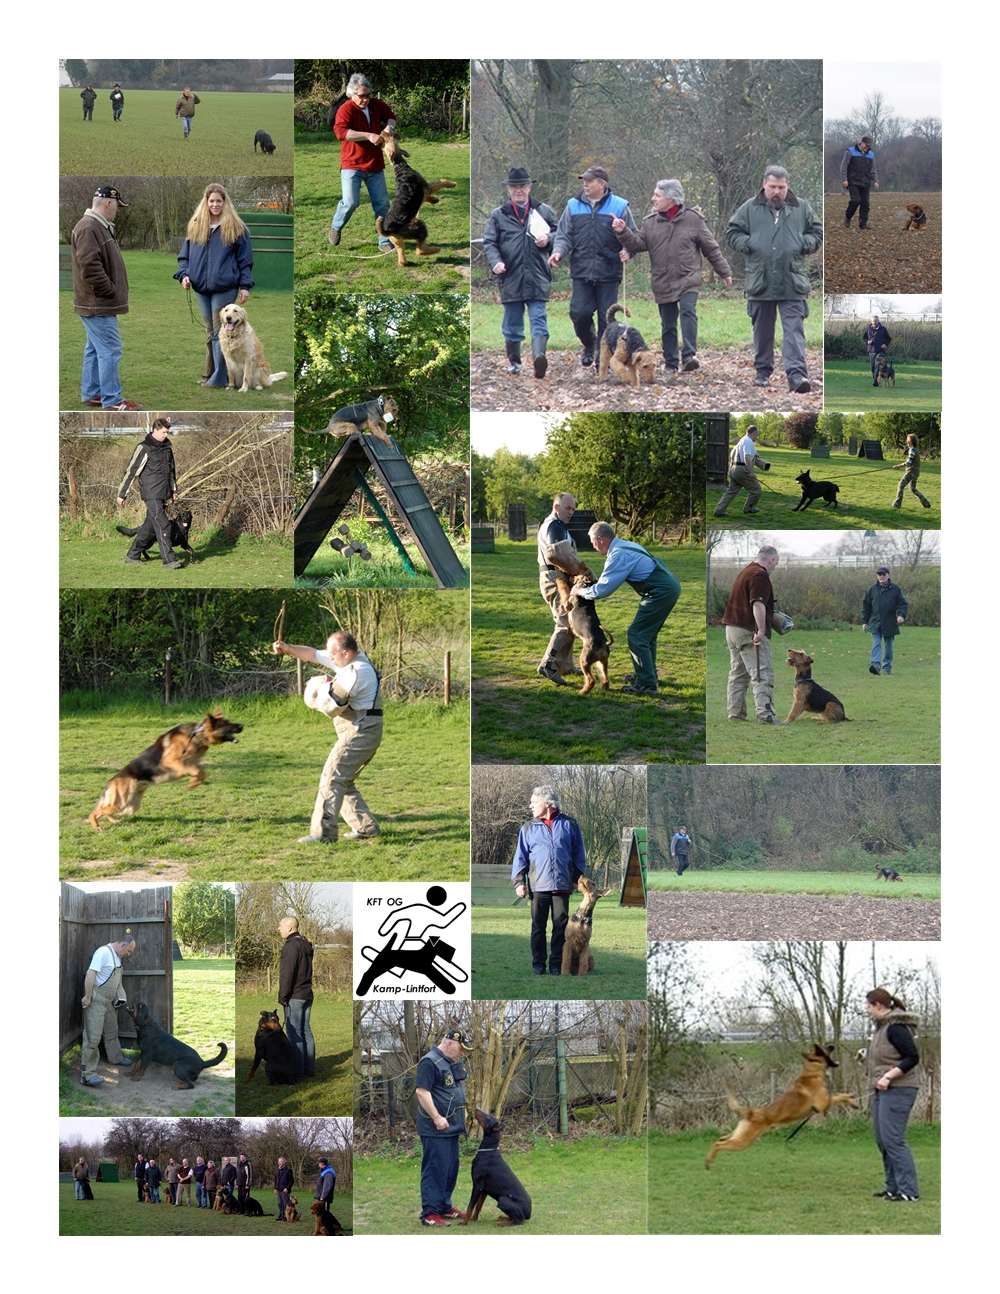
[[347, 473]]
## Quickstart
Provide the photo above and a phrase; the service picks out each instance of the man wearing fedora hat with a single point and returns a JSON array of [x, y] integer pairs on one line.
[[516, 243], [441, 1100]]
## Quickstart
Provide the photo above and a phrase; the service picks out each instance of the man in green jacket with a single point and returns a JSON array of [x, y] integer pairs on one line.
[[775, 231], [883, 610]]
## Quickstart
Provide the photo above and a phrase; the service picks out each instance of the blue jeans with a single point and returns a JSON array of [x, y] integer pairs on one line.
[[209, 305], [78, 1190], [350, 184], [890, 1111], [201, 1195], [101, 356], [881, 656], [512, 325], [686, 307], [154, 1195], [187, 125], [300, 1035]]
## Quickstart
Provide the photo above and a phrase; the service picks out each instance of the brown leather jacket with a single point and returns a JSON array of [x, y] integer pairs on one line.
[[100, 283]]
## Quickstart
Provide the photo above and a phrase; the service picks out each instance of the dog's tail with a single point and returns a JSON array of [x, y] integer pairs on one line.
[[734, 1104], [611, 311], [128, 531], [223, 1049], [378, 227], [276, 377]]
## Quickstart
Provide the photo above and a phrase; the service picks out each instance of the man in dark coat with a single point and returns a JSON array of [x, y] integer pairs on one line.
[[295, 993], [117, 102], [882, 612], [516, 245], [859, 176], [876, 338], [152, 465], [89, 97], [284, 1180]]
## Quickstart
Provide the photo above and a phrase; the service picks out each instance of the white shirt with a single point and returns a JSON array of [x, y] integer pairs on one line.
[[746, 450], [358, 679], [105, 962]]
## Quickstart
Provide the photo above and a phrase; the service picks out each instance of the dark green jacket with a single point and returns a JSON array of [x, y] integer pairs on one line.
[[775, 245], [881, 607]]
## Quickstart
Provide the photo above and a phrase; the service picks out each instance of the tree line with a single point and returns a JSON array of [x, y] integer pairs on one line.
[[429, 95], [912, 340], [175, 73], [908, 153], [204, 917], [323, 919], [801, 430]]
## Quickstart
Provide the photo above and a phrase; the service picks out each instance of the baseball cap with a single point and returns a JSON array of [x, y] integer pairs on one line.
[[456, 1035], [882, 570], [595, 173], [109, 191]]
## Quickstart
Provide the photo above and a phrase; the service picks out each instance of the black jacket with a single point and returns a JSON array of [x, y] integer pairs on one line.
[[527, 276], [296, 970], [153, 465], [881, 606], [244, 1174], [876, 339]]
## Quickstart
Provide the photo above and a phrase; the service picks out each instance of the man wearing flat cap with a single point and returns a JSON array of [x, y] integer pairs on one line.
[[585, 234], [517, 243], [440, 1123]]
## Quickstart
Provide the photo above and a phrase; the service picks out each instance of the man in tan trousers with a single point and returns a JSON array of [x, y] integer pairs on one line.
[[747, 618], [102, 989], [351, 699]]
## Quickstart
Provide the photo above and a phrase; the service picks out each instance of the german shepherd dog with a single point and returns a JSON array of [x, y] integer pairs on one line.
[[577, 959], [281, 1060], [917, 219], [807, 1095], [326, 1223], [825, 490], [412, 190], [157, 1047], [808, 695], [265, 141], [492, 1176], [583, 620], [887, 874], [178, 529], [624, 349], [372, 416], [884, 371], [178, 753]]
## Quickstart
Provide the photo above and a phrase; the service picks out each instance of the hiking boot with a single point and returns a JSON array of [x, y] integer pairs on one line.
[[874, 669], [174, 565], [550, 672], [513, 358], [538, 345], [333, 236], [587, 355], [690, 365]]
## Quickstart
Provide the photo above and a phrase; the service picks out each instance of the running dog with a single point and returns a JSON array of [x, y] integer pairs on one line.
[[326, 1224], [808, 695], [265, 141], [917, 219], [577, 959], [624, 349], [825, 490], [412, 190], [178, 529], [492, 1176], [884, 371], [372, 416], [281, 1060], [887, 874], [158, 1047], [243, 351], [807, 1095], [178, 753], [581, 613]]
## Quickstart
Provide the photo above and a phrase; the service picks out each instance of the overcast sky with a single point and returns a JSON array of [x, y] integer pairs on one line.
[[901, 307], [789, 543], [911, 90]]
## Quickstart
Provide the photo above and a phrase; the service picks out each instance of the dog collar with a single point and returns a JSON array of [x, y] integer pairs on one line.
[[584, 921], [804, 678]]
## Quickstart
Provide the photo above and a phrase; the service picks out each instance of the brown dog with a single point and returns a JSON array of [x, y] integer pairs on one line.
[[219, 1205], [809, 695], [577, 959], [884, 371], [326, 1223], [581, 613], [808, 1094], [291, 1212], [373, 416], [624, 350], [412, 190], [917, 219]]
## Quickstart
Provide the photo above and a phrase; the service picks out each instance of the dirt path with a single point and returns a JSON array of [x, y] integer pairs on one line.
[[154, 1093], [789, 916]]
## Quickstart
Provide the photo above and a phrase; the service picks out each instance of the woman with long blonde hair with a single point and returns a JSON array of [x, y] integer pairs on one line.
[[215, 263]]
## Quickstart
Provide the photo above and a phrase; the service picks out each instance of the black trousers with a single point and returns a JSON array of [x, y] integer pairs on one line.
[[859, 198], [588, 298], [153, 530], [682, 862], [542, 904]]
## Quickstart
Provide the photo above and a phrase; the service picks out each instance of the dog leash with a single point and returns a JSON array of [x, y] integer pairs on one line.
[[801, 1125]]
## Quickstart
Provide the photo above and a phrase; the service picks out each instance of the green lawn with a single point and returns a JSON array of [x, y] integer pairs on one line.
[[204, 1016], [385, 570], [914, 886], [558, 1174], [355, 265], [847, 385], [150, 141], [896, 718], [864, 502], [92, 555], [521, 718], [821, 1183], [329, 1093], [114, 1212], [164, 347], [242, 824], [501, 956]]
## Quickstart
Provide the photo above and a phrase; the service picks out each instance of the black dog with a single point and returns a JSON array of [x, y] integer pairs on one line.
[[230, 1204], [156, 1046], [177, 532], [493, 1176], [265, 141], [252, 1209], [825, 490], [887, 874], [281, 1060]]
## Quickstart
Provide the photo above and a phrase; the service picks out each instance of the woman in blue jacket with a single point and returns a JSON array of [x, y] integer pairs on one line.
[[215, 263]]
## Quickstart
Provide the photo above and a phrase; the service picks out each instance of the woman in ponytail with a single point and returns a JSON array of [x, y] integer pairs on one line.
[[893, 1082]]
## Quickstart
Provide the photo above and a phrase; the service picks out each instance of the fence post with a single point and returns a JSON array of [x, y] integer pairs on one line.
[[447, 678], [72, 494], [561, 1081], [166, 678]]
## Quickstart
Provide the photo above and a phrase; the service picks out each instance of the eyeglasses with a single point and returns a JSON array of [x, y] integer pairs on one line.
[[363, 94]]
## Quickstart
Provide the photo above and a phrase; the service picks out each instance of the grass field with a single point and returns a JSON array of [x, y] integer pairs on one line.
[[385, 570], [242, 824], [355, 265], [780, 882], [847, 385], [150, 141], [92, 555], [328, 1093], [164, 347], [204, 1015], [522, 718], [864, 501], [821, 1183], [501, 956], [557, 1175], [114, 1212], [896, 718]]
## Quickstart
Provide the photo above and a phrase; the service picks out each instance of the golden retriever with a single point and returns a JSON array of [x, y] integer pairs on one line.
[[243, 351]]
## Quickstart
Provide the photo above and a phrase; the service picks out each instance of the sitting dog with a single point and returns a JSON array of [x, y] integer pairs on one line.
[[583, 620], [884, 371], [577, 959], [158, 1047], [265, 141], [219, 1203], [281, 1060], [807, 1094], [178, 529], [243, 351], [412, 190], [809, 695], [887, 874], [252, 1208], [372, 416], [492, 1176], [230, 1204], [326, 1223], [291, 1211], [178, 753], [825, 490], [917, 219], [625, 350], [146, 1196]]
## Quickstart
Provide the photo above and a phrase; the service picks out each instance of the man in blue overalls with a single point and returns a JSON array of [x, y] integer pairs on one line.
[[440, 1123], [658, 592]]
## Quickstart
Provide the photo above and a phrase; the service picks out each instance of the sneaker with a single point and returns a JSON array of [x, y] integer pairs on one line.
[[124, 406], [800, 388], [690, 365], [899, 505], [886, 672], [333, 236], [383, 248], [762, 381], [633, 690], [173, 566], [750, 512], [452, 1214], [433, 1220], [882, 1195], [96, 403], [360, 835], [92, 1080], [926, 502], [874, 669], [550, 672], [133, 561], [899, 1199], [315, 840]]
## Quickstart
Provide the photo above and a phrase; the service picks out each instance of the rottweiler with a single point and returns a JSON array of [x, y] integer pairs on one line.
[[412, 190], [158, 1047], [825, 490], [373, 416], [326, 1223], [917, 218], [583, 620], [265, 141], [281, 1060], [809, 695], [624, 349], [178, 529], [493, 1176], [177, 753]]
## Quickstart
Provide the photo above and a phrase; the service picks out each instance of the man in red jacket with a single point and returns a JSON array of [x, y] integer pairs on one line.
[[358, 125]]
